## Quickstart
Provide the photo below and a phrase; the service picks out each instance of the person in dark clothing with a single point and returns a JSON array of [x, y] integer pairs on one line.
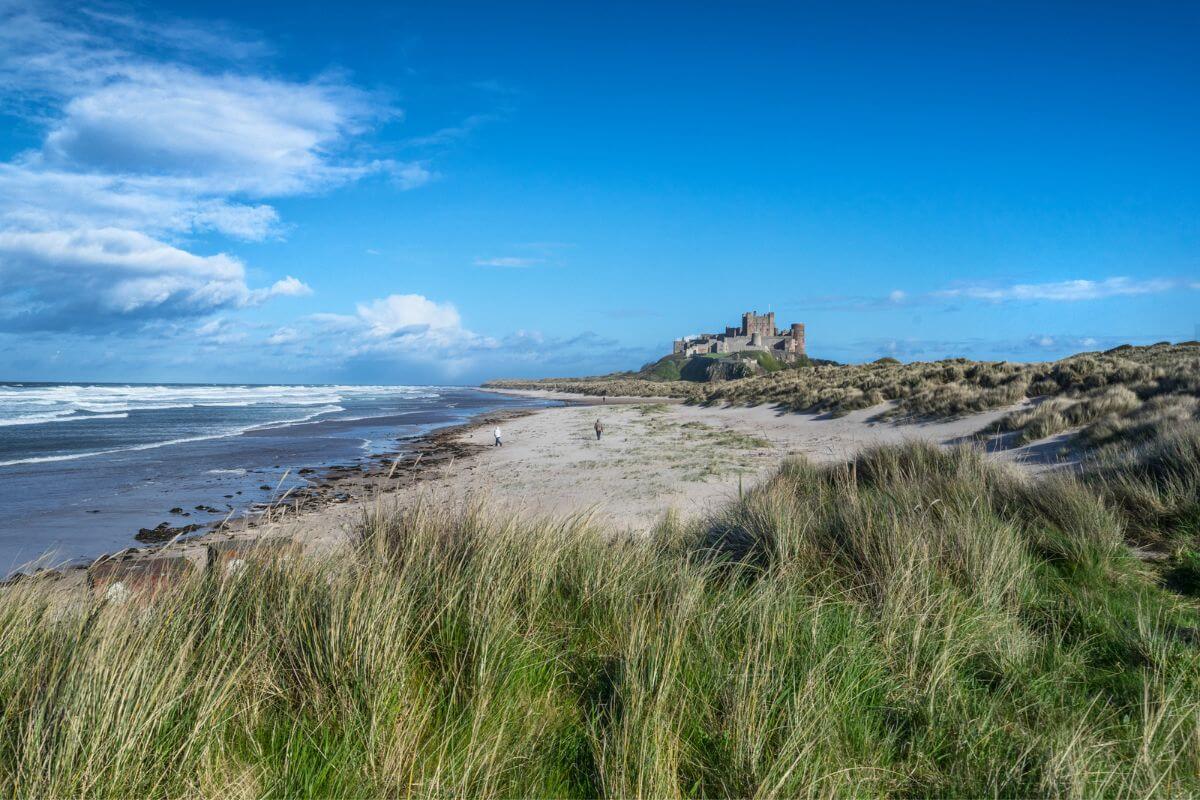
[[599, 429]]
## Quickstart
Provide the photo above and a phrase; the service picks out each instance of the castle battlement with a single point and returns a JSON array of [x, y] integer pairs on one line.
[[756, 333]]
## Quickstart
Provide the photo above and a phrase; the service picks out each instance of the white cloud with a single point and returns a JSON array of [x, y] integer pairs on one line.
[[289, 287], [284, 336], [39, 56], [219, 331], [507, 261], [407, 314], [1064, 291], [1059, 292], [64, 279], [211, 38], [409, 327], [250, 223], [33, 198], [1061, 343], [1037, 346], [329, 322], [213, 134], [451, 133], [408, 176], [210, 328], [412, 331], [139, 152]]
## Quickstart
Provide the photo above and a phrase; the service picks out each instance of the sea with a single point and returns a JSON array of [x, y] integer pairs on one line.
[[84, 466]]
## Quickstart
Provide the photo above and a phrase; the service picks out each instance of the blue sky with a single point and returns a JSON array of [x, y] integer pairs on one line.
[[447, 192]]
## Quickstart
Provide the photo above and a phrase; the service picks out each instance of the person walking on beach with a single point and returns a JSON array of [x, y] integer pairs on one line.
[[599, 429], [497, 435]]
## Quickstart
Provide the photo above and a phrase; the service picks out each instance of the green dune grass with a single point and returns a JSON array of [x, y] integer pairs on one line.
[[918, 622]]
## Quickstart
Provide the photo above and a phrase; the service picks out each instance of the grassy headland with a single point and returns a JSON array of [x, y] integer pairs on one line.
[[915, 622]]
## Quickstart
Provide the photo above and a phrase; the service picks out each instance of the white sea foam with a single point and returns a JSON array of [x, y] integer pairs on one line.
[[129, 449], [34, 419], [389, 413], [64, 416], [236, 431], [26, 404], [300, 420]]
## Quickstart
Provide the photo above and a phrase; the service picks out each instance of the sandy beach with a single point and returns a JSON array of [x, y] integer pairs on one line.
[[655, 457]]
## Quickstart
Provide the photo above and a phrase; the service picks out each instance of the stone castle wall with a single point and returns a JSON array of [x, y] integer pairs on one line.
[[757, 333]]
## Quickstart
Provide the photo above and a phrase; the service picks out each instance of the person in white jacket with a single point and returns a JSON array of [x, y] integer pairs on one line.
[[497, 435]]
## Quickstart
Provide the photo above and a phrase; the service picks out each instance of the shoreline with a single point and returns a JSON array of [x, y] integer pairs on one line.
[[198, 455], [659, 456], [330, 486]]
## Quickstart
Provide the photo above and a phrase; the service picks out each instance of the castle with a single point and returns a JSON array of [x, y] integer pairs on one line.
[[757, 333]]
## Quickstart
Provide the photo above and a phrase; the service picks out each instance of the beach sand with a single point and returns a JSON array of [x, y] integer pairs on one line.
[[654, 458]]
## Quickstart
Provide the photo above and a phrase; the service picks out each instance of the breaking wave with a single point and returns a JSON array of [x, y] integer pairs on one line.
[[204, 413], [46, 404]]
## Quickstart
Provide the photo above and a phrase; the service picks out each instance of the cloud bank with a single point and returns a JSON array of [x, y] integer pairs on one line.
[[101, 277], [1071, 291], [1065, 291], [138, 154], [152, 134]]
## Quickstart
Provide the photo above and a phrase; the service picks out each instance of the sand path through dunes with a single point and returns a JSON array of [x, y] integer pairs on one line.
[[653, 457]]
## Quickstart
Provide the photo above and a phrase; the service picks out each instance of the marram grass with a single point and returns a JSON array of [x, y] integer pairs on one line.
[[919, 622], [1108, 385]]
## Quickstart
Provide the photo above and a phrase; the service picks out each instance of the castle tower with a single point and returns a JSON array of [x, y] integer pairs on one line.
[[797, 346], [753, 322]]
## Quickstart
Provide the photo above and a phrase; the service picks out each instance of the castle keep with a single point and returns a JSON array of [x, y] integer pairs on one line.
[[757, 333]]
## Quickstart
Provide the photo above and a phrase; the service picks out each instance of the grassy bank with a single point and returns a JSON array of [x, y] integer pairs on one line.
[[919, 622]]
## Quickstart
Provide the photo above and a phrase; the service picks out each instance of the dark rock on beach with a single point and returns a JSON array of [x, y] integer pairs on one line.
[[164, 532]]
